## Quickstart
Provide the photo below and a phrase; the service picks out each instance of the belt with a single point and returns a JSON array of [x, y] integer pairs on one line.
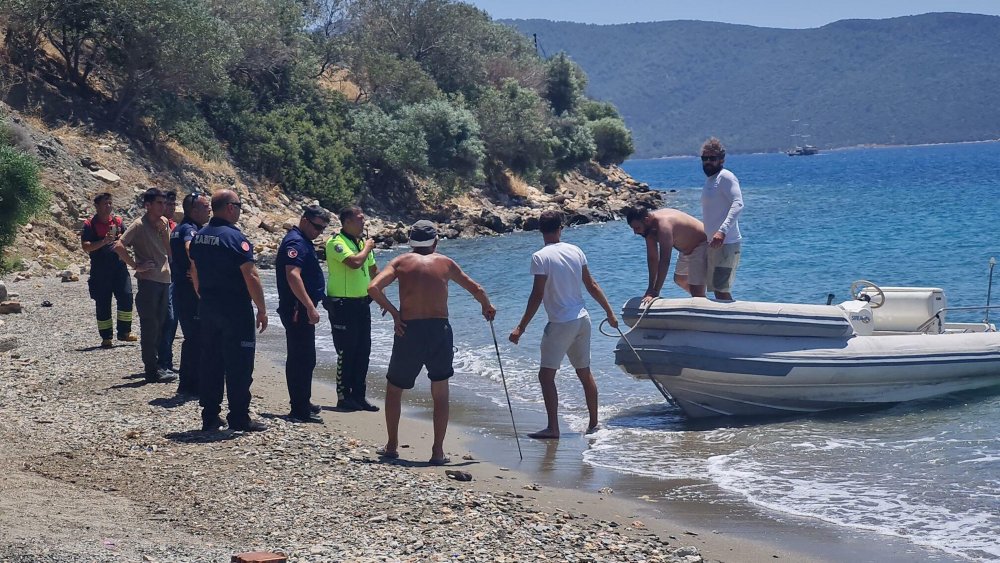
[[365, 298]]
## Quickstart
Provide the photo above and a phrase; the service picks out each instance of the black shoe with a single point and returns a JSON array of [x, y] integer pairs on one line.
[[315, 409], [348, 405], [366, 406], [161, 376], [305, 418], [250, 426], [213, 425]]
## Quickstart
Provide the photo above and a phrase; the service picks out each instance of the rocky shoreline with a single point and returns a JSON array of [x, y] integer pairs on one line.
[[77, 163], [99, 466]]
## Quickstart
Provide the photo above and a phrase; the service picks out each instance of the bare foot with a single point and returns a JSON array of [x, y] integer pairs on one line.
[[387, 453], [546, 434], [593, 429]]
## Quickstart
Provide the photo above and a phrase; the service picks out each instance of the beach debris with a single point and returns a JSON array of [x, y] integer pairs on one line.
[[9, 307], [606, 491], [458, 475], [468, 457], [46, 303], [532, 487], [261, 557], [3, 291], [8, 343], [68, 276]]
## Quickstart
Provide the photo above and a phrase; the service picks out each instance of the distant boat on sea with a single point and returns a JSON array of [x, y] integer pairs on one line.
[[805, 150]]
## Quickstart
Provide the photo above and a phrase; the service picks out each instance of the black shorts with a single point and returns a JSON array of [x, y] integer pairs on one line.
[[426, 342]]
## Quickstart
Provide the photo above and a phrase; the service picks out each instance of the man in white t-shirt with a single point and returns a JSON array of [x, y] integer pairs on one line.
[[559, 270], [721, 204]]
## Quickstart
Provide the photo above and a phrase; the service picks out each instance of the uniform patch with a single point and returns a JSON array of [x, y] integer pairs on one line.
[[338, 248], [292, 253], [245, 246]]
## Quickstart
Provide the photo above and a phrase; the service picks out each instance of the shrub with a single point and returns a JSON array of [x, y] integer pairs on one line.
[[613, 139], [300, 146], [513, 124], [573, 143], [451, 134], [21, 192]]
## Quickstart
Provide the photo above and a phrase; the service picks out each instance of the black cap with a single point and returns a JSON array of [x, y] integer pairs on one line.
[[423, 233]]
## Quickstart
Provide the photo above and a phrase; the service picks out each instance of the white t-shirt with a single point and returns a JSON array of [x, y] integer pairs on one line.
[[563, 264], [721, 204]]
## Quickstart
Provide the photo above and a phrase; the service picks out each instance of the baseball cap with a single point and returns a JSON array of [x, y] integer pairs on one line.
[[423, 233]]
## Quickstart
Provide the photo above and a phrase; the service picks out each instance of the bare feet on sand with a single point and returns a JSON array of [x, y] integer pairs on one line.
[[546, 434]]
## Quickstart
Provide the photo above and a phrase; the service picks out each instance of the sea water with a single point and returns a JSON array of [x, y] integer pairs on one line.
[[927, 472]]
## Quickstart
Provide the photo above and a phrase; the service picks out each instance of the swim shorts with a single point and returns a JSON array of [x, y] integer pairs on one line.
[[425, 342], [694, 265], [722, 264]]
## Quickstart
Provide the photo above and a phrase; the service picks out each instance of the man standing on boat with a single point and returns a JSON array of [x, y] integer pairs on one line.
[[559, 269], [664, 230], [721, 204]]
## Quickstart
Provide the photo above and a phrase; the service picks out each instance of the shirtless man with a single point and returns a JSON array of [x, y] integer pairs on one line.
[[423, 334], [664, 230]]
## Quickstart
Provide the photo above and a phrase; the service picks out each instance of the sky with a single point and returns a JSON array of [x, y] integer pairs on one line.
[[795, 14]]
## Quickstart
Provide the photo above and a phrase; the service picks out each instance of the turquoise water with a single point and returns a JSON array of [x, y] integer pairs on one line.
[[926, 472]]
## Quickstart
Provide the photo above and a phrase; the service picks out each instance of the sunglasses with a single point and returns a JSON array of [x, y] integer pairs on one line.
[[319, 226], [711, 158]]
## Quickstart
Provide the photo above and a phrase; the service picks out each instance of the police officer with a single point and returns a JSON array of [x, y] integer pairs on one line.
[[300, 289], [184, 293], [108, 274], [227, 281], [351, 265]]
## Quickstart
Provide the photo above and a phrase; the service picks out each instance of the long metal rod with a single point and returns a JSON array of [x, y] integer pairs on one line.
[[496, 346]]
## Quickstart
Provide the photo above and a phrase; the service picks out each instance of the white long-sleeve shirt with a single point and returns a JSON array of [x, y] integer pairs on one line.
[[721, 204]]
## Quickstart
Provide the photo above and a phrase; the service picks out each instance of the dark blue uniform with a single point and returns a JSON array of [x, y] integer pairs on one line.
[[108, 276], [185, 302], [300, 336], [227, 321]]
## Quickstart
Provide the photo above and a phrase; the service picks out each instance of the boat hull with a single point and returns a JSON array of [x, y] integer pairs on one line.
[[714, 374]]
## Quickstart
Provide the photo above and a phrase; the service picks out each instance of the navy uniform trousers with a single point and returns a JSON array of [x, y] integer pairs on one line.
[[227, 354], [300, 337]]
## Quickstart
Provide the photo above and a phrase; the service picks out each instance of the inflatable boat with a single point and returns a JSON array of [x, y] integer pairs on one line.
[[888, 345]]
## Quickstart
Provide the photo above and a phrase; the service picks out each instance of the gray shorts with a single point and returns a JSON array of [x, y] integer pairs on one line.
[[693, 265], [571, 338], [722, 264]]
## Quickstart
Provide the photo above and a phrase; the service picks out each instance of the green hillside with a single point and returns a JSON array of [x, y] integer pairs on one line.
[[918, 79]]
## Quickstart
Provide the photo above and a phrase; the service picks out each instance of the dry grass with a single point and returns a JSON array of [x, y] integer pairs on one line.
[[336, 80]]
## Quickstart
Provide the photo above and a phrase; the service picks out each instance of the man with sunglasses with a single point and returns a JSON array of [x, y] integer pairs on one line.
[[227, 282], [300, 288], [185, 293], [721, 205]]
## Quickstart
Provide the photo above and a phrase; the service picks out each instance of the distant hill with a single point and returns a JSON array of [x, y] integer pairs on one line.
[[917, 79]]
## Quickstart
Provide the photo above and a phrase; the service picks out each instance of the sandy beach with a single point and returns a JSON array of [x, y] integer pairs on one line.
[[97, 465]]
